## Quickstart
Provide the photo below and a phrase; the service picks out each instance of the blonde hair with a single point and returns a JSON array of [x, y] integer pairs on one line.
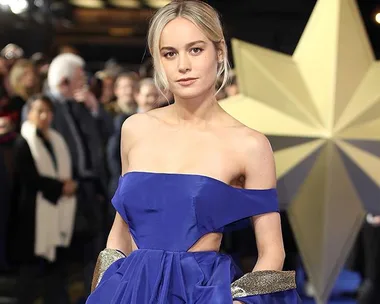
[[204, 17], [15, 76]]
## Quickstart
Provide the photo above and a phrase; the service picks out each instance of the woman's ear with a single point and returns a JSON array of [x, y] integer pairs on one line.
[[221, 51]]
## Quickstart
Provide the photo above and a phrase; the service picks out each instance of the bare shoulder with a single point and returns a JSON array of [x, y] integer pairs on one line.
[[133, 128], [140, 124], [251, 142], [137, 124], [255, 142], [160, 115], [134, 122], [257, 158]]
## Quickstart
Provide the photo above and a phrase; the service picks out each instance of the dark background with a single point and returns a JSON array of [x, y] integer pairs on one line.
[[116, 32]]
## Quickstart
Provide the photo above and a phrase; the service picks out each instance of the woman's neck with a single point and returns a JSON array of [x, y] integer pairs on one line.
[[44, 132], [200, 110]]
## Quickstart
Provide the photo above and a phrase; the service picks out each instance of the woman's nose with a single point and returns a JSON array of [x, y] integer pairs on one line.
[[184, 64]]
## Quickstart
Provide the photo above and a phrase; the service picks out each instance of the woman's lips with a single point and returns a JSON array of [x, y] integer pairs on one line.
[[186, 81]]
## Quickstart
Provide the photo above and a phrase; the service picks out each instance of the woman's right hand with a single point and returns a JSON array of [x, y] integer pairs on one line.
[[69, 187]]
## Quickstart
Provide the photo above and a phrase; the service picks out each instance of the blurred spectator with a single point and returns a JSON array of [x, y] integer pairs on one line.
[[221, 94], [43, 206], [77, 117], [232, 88], [4, 99], [41, 63], [12, 53], [68, 49], [113, 68], [165, 98], [125, 87], [24, 83], [124, 107], [8, 138], [3, 68], [365, 259], [107, 84], [146, 95], [9, 54]]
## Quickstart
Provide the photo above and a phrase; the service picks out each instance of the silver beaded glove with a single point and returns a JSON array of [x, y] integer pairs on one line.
[[263, 282], [105, 259]]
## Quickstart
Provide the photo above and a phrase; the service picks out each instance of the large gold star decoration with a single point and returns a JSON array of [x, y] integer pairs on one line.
[[320, 109]]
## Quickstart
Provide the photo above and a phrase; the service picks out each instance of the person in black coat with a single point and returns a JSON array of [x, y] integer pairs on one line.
[[77, 117], [26, 213], [8, 138]]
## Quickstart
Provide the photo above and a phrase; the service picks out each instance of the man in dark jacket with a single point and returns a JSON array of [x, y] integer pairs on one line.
[[76, 118]]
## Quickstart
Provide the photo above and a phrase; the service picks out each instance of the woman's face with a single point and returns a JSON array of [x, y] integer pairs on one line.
[[107, 89], [146, 97], [5, 125], [40, 115], [124, 89], [29, 78], [189, 59]]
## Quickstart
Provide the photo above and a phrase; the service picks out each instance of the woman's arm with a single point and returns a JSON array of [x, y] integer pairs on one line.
[[119, 243], [260, 173], [119, 237], [266, 277]]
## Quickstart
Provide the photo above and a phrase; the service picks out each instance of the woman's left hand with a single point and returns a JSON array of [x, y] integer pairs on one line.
[[237, 302]]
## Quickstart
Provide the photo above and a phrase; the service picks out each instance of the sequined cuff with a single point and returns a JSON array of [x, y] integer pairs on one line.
[[263, 282], [105, 259]]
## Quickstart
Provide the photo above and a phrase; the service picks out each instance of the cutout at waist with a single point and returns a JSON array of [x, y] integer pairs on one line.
[[208, 242]]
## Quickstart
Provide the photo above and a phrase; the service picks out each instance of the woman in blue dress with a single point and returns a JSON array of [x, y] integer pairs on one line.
[[190, 170]]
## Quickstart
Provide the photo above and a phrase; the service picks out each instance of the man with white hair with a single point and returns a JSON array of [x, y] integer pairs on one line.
[[75, 112]]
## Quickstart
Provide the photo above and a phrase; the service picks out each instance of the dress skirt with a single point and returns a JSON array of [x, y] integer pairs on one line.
[[149, 276]]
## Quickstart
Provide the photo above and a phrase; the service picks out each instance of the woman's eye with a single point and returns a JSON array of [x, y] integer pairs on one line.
[[196, 50], [169, 54]]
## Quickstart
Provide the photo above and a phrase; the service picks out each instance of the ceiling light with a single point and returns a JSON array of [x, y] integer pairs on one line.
[[377, 18], [88, 3], [157, 3], [18, 6], [125, 3], [120, 31]]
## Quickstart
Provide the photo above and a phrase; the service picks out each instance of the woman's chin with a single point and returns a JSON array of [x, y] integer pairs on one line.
[[190, 93]]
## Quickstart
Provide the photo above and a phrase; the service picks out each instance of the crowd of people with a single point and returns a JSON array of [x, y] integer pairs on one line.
[[60, 130]]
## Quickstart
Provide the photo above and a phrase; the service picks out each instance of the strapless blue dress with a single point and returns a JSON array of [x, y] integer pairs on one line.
[[167, 214]]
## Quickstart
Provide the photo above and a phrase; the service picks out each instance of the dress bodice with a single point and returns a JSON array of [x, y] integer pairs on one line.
[[172, 211], [167, 213]]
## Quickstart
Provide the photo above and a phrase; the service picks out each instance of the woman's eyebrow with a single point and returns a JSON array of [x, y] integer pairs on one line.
[[190, 44]]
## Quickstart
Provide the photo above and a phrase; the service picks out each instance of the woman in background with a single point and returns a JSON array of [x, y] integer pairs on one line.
[[43, 207], [24, 81]]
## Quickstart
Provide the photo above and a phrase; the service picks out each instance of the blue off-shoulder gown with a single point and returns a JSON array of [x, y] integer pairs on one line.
[[167, 214]]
